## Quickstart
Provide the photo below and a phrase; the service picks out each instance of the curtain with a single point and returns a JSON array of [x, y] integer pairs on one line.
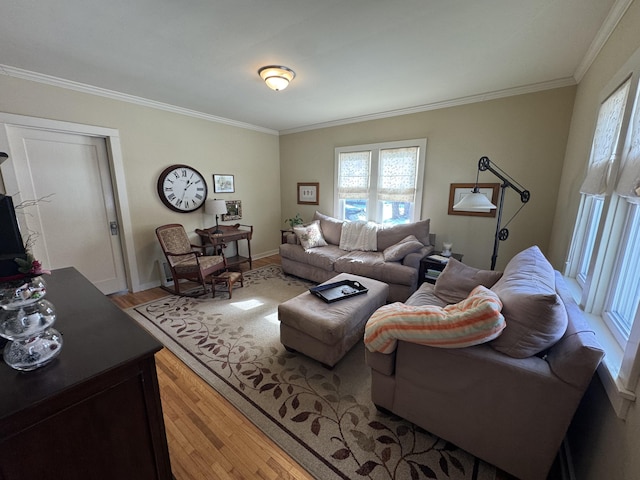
[[353, 175], [397, 174], [628, 185], [605, 141]]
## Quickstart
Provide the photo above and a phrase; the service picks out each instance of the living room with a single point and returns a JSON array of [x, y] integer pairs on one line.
[[542, 138]]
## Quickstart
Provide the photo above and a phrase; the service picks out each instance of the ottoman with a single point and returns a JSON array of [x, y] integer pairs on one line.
[[327, 331]]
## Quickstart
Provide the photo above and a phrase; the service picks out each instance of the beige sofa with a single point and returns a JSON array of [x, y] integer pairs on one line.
[[387, 264], [508, 401]]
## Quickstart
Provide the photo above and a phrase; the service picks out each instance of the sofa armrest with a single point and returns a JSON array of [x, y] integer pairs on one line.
[[413, 259], [385, 363], [575, 357]]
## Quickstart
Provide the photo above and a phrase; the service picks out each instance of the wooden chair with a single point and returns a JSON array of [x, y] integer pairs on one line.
[[183, 259]]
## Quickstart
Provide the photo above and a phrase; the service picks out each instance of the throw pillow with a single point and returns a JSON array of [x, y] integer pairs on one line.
[[331, 228], [536, 317], [310, 236], [475, 320], [457, 280], [390, 235], [404, 247]]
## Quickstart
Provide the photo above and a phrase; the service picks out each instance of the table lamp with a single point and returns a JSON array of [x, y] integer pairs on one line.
[[215, 207]]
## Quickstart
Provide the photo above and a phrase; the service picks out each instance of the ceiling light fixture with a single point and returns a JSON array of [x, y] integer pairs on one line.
[[276, 77]]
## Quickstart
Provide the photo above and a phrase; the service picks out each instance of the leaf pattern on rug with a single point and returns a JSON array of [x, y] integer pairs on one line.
[[362, 442]]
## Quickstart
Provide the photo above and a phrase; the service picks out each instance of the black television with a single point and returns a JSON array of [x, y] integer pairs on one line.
[[11, 244]]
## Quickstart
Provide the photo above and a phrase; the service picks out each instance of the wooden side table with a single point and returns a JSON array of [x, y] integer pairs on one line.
[[230, 233], [430, 269]]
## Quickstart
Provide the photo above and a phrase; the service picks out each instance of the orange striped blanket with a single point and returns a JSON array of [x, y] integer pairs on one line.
[[476, 319]]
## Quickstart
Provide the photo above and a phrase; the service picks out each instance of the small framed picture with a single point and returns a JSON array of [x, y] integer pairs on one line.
[[223, 184], [459, 190], [308, 193], [234, 210]]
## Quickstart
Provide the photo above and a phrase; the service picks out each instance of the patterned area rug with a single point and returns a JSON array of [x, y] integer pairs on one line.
[[323, 418]]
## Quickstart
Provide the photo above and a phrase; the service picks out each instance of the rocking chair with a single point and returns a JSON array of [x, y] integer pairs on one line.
[[183, 259]]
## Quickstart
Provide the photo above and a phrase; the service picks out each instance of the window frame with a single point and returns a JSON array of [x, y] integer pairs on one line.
[[374, 212], [620, 369]]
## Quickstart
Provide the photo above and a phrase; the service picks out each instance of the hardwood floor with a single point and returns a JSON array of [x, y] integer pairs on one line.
[[209, 439]]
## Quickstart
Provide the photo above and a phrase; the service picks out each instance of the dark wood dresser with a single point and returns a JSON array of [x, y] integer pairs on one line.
[[95, 411]]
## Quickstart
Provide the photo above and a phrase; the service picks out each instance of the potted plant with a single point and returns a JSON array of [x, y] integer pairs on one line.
[[294, 221]]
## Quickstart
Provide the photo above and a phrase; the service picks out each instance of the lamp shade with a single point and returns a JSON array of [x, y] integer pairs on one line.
[[474, 202], [215, 207], [276, 77]]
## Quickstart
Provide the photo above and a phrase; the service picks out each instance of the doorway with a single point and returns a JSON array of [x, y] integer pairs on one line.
[[74, 221]]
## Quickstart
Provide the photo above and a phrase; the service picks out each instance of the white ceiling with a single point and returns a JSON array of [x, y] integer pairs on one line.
[[354, 59]]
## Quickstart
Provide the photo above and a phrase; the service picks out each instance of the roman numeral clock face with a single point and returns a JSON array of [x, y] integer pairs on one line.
[[182, 188]]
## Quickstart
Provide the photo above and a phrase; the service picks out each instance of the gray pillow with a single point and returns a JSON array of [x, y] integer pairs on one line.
[[536, 317], [391, 235], [457, 280], [331, 228], [404, 247]]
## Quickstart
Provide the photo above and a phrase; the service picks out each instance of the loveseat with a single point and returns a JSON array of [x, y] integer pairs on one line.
[[508, 400], [395, 260]]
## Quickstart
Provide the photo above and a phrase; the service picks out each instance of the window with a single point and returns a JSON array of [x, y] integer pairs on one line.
[[380, 182], [604, 258]]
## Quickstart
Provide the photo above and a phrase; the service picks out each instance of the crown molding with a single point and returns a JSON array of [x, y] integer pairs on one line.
[[482, 97], [606, 29], [103, 92]]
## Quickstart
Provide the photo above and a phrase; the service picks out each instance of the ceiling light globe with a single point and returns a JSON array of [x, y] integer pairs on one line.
[[276, 77]]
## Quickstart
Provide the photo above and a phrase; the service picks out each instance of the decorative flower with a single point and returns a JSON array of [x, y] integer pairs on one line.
[[30, 266]]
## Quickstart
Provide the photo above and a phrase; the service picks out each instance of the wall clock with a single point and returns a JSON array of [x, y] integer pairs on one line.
[[182, 188]]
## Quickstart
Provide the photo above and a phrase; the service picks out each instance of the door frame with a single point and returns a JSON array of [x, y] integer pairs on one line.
[[116, 167]]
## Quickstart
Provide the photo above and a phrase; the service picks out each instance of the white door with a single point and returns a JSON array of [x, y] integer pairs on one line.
[[74, 221]]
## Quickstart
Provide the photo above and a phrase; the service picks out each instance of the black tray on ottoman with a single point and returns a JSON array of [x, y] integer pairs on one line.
[[332, 292]]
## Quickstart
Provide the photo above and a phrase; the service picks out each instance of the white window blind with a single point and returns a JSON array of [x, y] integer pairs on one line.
[[605, 141], [354, 175], [397, 174], [628, 185]]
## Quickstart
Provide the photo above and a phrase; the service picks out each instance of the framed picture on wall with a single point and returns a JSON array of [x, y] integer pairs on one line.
[[223, 184], [308, 193], [234, 210], [457, 192]]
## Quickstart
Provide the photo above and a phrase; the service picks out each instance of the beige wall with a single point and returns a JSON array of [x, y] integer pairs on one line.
[[525, 135], [153, 139], [602, 445]]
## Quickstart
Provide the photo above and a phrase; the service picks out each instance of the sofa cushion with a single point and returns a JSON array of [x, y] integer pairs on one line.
[[331, 228], [372, 265], [425, 295], [398, 251], [323, 258], [475, 320], [535, 315], [310, 235], [388, 236], [457, 280]]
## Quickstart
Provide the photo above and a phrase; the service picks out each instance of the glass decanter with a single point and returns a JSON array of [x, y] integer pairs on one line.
[[25, 320]]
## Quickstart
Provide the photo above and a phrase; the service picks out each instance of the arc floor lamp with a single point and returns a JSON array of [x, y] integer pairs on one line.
[[477, 202]]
